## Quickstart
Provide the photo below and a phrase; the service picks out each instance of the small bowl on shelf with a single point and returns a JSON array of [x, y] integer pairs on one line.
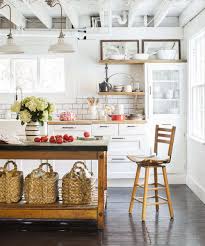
[[140, 56]]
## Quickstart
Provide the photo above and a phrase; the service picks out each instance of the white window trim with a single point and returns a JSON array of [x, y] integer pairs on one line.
[[190, 88], [8, 98]]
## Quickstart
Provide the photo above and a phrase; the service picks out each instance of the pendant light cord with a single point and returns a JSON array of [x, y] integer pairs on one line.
[[10, 24], [61, 27]]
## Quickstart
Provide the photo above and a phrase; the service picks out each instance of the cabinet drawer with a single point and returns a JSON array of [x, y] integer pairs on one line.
[[75, 130], [105, 130], [131, 129]]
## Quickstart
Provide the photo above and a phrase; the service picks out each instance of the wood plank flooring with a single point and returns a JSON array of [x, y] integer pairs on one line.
[[188, 228]]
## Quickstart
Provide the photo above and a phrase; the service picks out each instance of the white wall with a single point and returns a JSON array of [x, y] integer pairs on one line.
[[195, 150]]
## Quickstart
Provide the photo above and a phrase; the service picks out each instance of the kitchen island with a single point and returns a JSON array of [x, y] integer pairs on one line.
[[77, 150]]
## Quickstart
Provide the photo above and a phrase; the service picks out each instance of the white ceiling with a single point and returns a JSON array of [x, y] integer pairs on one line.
[[89, 7], [93, 7]]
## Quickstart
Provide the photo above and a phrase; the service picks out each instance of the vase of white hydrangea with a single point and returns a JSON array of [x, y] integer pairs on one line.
[[33, 111]]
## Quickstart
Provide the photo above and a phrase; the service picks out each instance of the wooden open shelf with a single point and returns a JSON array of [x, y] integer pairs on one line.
[[139, 61], [56, 210], [112, 93]]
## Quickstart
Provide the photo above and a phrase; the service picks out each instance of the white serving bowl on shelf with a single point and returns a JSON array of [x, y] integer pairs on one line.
[[140, 56], [166, 54]]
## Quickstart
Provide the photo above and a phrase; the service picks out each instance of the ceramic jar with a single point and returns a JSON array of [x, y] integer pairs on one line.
[[32, 131]]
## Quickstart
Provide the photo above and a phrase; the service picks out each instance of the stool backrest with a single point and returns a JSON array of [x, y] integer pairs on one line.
[[166, 136]]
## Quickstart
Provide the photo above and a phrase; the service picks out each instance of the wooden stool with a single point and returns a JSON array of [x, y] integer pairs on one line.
[[162, 135]]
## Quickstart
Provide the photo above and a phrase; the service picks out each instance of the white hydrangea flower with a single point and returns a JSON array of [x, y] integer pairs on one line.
[[25, 116], [42, 104], [32, 105], [51, 108], [44, 116], [16, 107]]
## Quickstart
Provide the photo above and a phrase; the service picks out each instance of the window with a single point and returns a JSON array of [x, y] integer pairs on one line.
[[197, 87], [33, 74]]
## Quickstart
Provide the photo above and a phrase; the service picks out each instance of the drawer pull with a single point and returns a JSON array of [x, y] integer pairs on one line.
[[118, 138], [68, 127], [131, 126], [118, 159], [104, 126]]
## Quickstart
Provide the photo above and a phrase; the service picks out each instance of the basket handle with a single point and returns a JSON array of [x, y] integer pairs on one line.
[[48, 165], [81, 171], [10, 162], [80, 164]]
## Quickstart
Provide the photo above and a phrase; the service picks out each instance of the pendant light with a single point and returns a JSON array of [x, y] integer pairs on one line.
[[10, 47], [61, 46]]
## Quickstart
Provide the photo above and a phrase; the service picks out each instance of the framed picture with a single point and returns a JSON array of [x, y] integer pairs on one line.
[[118, 49], [169, 49]]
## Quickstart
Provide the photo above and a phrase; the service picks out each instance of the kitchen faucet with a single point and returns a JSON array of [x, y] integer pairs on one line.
[[18, 88]]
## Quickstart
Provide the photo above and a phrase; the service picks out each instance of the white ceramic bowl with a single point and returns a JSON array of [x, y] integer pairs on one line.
[[117, 57], [166, 54], [140, 56]]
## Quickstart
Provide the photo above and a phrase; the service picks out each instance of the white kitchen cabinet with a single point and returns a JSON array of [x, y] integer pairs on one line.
[[64, 166], [125, 139], [105, 130], [165, 89], [165, 105]]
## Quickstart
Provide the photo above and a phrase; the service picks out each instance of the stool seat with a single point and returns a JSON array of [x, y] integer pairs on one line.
[[165, 136], [148, 161]]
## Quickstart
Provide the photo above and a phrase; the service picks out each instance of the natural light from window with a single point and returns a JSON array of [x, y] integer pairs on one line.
[[33, 74], [197, 87]]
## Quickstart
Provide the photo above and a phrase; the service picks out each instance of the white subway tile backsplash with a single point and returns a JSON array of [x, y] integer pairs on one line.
[[80, 107]]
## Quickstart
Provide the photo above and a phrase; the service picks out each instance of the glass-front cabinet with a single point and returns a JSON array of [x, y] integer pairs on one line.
[[165, 103], [165, 84]]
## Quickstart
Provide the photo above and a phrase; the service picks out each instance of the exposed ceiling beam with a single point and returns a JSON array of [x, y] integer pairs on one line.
[[133, 6], [70, 12], [191, 11], [16, 17], [101, 10], [162, 11], [38, 8]]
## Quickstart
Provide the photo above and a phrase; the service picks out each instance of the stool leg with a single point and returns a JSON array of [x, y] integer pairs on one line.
[[156, 186], [144, 205], [168, 192], [134, 189]]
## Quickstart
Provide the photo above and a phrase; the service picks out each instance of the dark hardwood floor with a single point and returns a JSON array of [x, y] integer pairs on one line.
[[188, 228]]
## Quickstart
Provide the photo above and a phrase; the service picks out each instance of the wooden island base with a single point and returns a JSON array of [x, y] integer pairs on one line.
[[93, 211]]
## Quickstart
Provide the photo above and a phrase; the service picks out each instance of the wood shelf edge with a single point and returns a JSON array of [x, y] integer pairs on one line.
[[121, 93], [139, 61]]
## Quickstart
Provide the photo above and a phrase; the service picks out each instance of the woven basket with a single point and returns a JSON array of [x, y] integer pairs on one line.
[[41, 187], [77, 188], [11, 183]]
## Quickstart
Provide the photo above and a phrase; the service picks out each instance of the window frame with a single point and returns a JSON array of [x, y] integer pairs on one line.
[[8, 97], [196, 85]]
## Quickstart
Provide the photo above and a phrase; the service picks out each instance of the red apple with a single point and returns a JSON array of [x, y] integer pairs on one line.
[[37, 139], [44, 139], [52, 139], [86, 134], [59, 141], [70, 139], [65, 137]]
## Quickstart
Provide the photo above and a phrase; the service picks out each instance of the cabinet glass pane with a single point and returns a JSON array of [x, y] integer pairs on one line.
[[166, 92]]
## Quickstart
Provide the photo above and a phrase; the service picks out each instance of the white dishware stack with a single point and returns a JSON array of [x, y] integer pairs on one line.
[[117, 88], [127, 88]]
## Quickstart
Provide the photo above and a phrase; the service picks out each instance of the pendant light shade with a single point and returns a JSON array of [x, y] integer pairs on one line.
[[10, 47], [61, 46]]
